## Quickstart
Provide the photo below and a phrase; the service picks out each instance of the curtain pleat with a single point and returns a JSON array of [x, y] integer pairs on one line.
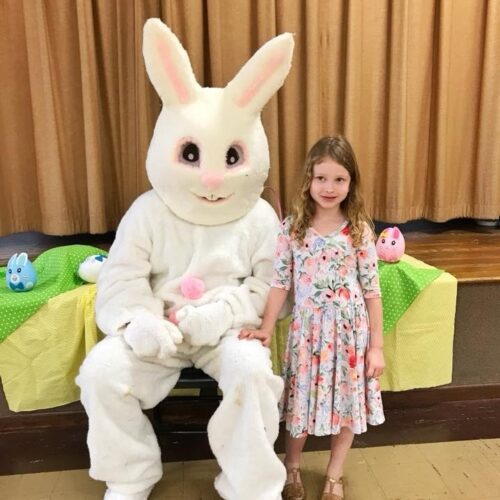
[[485, 191], [415, 86]]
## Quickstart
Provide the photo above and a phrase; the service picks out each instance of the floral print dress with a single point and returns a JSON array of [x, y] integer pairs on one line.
[[324, 363]]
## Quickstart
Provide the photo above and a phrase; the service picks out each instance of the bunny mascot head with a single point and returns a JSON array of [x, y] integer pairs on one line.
[[190, 266], [209, 157]]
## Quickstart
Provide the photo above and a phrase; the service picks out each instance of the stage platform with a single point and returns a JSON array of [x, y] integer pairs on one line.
[[468, 408]]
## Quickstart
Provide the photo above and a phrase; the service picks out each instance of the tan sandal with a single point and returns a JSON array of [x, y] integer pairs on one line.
[[295, 489], [329, 494]]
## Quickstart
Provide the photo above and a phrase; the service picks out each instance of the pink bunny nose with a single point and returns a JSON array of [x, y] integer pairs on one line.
[[212, 180]]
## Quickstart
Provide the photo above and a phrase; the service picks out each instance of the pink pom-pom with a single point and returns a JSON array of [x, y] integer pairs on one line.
[[192, 288]]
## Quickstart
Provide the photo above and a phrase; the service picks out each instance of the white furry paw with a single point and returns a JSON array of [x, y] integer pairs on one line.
[[152, 337], [114, 495], [205, 325]]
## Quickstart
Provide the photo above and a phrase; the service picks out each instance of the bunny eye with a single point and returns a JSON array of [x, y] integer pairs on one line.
[[383, 240], [19, 269], [190, 154], [393, 242], [10, 271], [234, 156]]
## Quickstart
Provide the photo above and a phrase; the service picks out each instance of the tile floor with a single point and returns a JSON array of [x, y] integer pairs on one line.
[[455, 470]]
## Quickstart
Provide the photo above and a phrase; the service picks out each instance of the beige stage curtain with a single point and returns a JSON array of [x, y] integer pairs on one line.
[[415, 85]]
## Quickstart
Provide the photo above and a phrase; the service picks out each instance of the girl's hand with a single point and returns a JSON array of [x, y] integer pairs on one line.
[[375, 363], [263, 335]]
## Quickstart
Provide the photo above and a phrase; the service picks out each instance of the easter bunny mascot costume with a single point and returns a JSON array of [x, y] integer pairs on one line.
[[191, 265]]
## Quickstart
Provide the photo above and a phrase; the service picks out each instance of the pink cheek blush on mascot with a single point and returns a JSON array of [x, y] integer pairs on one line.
[[390, 245], [191, 264]]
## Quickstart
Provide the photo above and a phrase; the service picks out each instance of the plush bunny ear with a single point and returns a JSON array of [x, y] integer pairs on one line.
[[22, 259], [168, 65], [395, 232], [12, 260], [262, 75]]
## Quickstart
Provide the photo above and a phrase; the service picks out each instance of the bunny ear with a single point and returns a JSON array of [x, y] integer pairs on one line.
[[22, 259], [396, 232], [168, 65], [262, 75], [12, 260]]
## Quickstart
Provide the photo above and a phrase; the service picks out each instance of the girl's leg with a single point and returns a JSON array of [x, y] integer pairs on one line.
[[293, 450], [339, 445]]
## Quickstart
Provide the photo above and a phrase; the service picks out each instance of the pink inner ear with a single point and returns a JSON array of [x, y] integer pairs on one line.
[[272, 63], [396, 232], [170, 70]]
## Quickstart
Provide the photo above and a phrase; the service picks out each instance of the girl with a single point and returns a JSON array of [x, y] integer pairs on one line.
[[334, 353]]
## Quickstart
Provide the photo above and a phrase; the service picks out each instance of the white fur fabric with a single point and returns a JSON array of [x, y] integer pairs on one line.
[[116, 386], [207, 162], [114, 495], [244, 428], [150, 337], [214, 120], [154, 249], [205, 325]]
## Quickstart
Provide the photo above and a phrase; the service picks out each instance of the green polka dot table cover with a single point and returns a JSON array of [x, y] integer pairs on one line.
[[401, 283], [57, 272]]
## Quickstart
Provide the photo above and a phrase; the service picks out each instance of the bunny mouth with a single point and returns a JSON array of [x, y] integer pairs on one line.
[[213, 199]]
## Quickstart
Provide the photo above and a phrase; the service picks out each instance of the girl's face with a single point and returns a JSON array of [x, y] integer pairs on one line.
[[329, 185]]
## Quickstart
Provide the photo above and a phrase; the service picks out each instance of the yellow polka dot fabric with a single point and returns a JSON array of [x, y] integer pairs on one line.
[[57, 272]]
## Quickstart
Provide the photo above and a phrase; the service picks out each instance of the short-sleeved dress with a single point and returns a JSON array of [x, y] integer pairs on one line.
[[324, 364]]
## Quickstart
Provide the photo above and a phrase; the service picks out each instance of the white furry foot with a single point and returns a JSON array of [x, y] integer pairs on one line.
[[114, 495]]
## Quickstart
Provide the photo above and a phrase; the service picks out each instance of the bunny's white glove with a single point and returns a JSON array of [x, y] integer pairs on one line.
[[205, 325], [152, 337]]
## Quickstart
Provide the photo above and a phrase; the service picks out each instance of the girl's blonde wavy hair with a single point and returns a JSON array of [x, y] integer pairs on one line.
[[339, 150]]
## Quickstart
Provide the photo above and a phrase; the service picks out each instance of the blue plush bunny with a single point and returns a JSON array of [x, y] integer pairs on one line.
[[20, 275]]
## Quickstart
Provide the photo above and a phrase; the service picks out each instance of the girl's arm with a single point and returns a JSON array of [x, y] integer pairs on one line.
[[374, 307], [375, 363], [369, 280], [275, 301]]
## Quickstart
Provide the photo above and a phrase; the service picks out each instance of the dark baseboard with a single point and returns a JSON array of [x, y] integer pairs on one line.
[[56, 440], [420, 398]]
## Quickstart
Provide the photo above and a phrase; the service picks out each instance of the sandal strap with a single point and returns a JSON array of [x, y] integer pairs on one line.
[[295, 489], [295, 471], [332, 480]]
